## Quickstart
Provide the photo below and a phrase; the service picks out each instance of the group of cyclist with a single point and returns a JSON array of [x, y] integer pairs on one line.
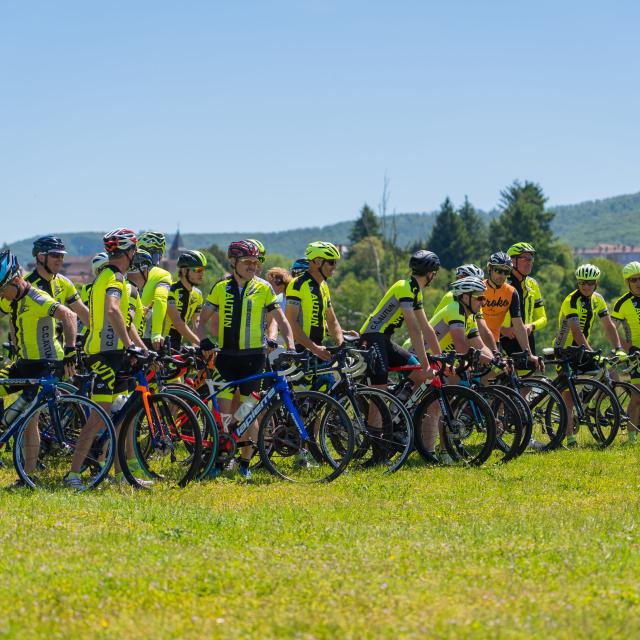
[[134, 305]]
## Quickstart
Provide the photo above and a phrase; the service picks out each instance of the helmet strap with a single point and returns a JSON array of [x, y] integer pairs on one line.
[[466, 306], [187, 278], [45, 264]]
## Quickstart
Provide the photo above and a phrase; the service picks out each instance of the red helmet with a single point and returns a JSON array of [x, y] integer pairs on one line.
[[243, 249], [119, 240]]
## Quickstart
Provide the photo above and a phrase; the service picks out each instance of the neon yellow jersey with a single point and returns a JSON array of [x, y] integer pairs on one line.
[[585, 310], [85, 293], [136, 310], [388, 315], [154, 296], [60, 288], [531, 303], [453, 316], [446, 300], [626, 313], [312, 299], [33, 326], [242, 313], [187, 304], [102, 336]]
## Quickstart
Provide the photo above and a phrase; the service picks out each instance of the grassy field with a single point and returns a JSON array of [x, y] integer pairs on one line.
[[544, 547]]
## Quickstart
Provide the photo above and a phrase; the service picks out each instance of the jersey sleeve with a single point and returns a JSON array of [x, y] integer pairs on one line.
[[270, 298], [514, 307], [601, 306], [115, 286], [159, 310], [70, 293], [214, 298], [569, 308]]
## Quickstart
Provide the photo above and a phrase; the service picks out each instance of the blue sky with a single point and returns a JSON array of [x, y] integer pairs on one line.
[[256, 116]]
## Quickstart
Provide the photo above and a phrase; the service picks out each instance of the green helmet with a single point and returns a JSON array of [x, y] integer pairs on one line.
[[141, 260], [262, 252], [588, 272], [520, 247], [324, 250], [152, 241], [631, 269], [192, 259]]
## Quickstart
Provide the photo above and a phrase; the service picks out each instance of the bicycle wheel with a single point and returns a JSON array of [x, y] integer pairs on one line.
[[46, 441], [525, 417], [549, 413], [163, 443], [324, 456], [509, 428], [383, 429], [467, 429], [601, 413], [628, 396], [208, 425]]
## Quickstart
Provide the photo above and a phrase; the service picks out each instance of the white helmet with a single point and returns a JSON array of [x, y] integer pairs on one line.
[[469, 270], [470, 284], [99, 262]]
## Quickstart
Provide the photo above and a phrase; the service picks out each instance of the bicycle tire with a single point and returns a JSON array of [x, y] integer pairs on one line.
[[509, 426], [548, 410], [625, 391], [525, 416]]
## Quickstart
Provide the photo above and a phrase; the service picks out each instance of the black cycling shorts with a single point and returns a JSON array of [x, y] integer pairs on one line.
[[106, 366], [384, 354], [511, 345], [232, 366]]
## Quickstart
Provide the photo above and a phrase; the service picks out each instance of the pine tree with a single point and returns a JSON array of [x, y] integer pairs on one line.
[[475, 239], [447, 237], [367, 224]]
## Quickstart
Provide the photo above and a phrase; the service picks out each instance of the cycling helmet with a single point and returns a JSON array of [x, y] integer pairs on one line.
[[631, 269], [468, 284], [423, 261], [48, 244], [587, 272], [299, 267], [520, 247], [500, 259], [469, 270], [243, 249], [99, 262], [119, 240], [141, 260], [192, 259], [152, 241], [9, 267], [262, 252], [324, 250]]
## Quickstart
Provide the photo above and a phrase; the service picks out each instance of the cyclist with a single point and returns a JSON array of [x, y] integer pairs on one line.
[[98, 262], [153, 284], [279, 280], [49, 253], [532, 308], [237, 309], [33, 314], [298, 267], [185, 299], [575, 321], [626, 315], [502, 298], [403, 302], [110, 336]]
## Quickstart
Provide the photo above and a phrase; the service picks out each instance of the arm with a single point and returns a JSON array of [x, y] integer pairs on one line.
[[205, 316], [292, 312], [272, 327], [280, 320], [539, 317], [69, 324], [611, 332], [485, 353], [428, 334], [180, 325], [416, 336], [576, 333], [81, 310], [158, 312], [135, 337], [486, 336]]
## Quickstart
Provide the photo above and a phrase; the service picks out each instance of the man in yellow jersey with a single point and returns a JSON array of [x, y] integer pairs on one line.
[[626, 316], [532, 308], [238, 308], [32, 314], [98, 262], [49, 253], [309, 310], [575, 321], [110, 336], [403, 302], [154, 284], [262, 253], [185, 300]]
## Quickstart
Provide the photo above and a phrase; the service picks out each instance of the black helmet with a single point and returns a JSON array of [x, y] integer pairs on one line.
[[47, 244], [423, 261], [141, 260], [192, 259]]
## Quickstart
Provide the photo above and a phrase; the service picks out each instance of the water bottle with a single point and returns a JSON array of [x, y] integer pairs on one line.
[[118, 403], [246, 407], [12, 412]]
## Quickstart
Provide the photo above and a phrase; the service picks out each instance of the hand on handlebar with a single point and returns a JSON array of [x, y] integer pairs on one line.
[[320, 351]]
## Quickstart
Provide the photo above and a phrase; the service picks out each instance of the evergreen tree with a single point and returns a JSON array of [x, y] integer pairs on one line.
[[476, 246], [523, 218], [448, 237], [367, 224]]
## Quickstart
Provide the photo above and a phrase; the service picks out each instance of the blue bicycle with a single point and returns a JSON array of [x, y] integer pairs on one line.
[[47, 430]]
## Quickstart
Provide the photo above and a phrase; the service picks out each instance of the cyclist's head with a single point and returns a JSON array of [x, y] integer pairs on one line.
[[191, 265], [278, 278], [119, 241], [470, 291], [522, 254], [99, 262], [298, 267], [49, 253], [499, 267], [630, 270], [262, 252], [142, 262], [243, 249], [424, 263], [322, 257], [469, 270], [244, 257], [154, 243], [9, 269], [519, 248], [588, 272]]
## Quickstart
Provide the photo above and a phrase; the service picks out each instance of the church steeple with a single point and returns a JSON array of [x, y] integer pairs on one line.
[[177, 246]]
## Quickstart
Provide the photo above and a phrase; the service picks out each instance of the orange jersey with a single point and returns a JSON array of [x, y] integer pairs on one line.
[[500, 301]]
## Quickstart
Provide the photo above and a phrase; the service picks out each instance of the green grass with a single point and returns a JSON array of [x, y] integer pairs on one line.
[[546, 546]]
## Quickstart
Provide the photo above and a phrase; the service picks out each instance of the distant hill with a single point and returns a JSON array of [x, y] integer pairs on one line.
[[612, 220]]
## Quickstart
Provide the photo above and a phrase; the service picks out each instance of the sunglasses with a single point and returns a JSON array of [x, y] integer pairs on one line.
[[55, 255], [587, 283], [330, 262], [504, 272], [249, 261], [197, 269], [480, 298], [634, 280]]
